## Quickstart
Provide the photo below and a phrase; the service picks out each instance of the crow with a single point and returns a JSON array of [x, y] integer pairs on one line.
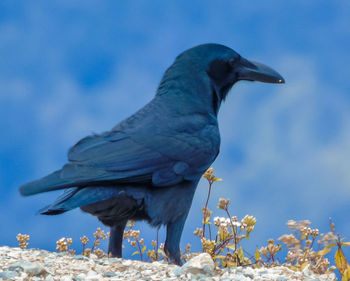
[[148, 166]]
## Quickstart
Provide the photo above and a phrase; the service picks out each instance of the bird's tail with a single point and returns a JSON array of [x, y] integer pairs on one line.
[[60, 206], [77, 197], [51, 182]]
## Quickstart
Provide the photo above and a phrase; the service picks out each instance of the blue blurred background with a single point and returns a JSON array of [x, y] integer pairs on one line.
[[71, 68]]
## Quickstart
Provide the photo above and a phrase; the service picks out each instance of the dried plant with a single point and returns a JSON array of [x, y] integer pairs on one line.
[[23, 240], [63, 244], [224, 245]]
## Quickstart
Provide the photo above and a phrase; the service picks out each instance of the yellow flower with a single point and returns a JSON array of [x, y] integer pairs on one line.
[[209, 175]]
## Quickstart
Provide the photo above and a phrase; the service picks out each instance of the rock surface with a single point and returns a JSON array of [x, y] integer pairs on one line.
[[201, 264], [34, 264]]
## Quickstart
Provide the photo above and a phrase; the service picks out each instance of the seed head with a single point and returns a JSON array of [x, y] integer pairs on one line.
[[327, 238], [69, 241], [223, 203], [209, 175], [99, 253], [96, 243], [301, 225], [248, 222], [87, 252], [206, 212], [100, 234], [188, 248], [289, 240], [216, 221], [198, 232], [23, 239], [314, 233], [208, 245], [292, 224], [135, 234], [131, 223], [62, 245], [263, 251], [84, 240]]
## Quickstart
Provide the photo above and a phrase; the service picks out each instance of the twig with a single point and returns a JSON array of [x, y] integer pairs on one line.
[[206, 207]]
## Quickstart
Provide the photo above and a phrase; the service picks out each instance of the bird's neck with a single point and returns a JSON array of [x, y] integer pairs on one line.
[[189, 92]]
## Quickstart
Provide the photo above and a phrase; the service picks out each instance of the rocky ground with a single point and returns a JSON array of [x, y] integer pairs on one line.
[[34, 264]]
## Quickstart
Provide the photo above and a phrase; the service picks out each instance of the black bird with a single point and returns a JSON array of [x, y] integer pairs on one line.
[[148, 166]]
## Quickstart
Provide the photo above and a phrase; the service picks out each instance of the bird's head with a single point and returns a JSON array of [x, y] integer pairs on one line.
[[218, 67]]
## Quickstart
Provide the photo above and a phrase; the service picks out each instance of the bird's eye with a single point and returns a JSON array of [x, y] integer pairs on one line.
[[234, 61]]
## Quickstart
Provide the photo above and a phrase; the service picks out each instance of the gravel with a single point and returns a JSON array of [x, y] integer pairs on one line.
[[35, 264]]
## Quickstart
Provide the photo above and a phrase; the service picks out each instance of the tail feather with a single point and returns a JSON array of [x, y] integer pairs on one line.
[[77, 197], [51, 182], [58, 206]]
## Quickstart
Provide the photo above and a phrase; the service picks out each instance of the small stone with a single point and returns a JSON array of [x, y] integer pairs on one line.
[[156, 263], [79, 277], [282, 278], [93, 256], [239, 277], [110, 274], [7, 275], [127, 262], [202, 263], [114, 260], [80, 257], [262, 271], [91, 273], [32, 269], [49, 278], [93, 276], [147, 272], [249, 272], [16, 267], [13, 254]]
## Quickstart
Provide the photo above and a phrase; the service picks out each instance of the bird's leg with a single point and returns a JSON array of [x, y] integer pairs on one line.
[[172, 242], [116, 239]]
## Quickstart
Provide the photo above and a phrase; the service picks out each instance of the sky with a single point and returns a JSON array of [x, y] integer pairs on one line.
[[72, 68]]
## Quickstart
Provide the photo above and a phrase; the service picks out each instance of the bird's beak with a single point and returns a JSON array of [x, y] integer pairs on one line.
[[255, 71]]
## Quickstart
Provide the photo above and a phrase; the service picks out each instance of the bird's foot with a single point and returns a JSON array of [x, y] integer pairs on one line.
[[173, 256]]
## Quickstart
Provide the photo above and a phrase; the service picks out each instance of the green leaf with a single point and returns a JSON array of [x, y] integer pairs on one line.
[[231, 246], [220, 257], [217, 179], [240, 254], [257, 254], [221, 234], [331, 245], [143, 249], [346, 275], [324, 252], [340, 261]]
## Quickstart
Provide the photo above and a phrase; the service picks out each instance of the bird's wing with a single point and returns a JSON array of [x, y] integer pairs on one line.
[[118, 157], [160, 157]]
